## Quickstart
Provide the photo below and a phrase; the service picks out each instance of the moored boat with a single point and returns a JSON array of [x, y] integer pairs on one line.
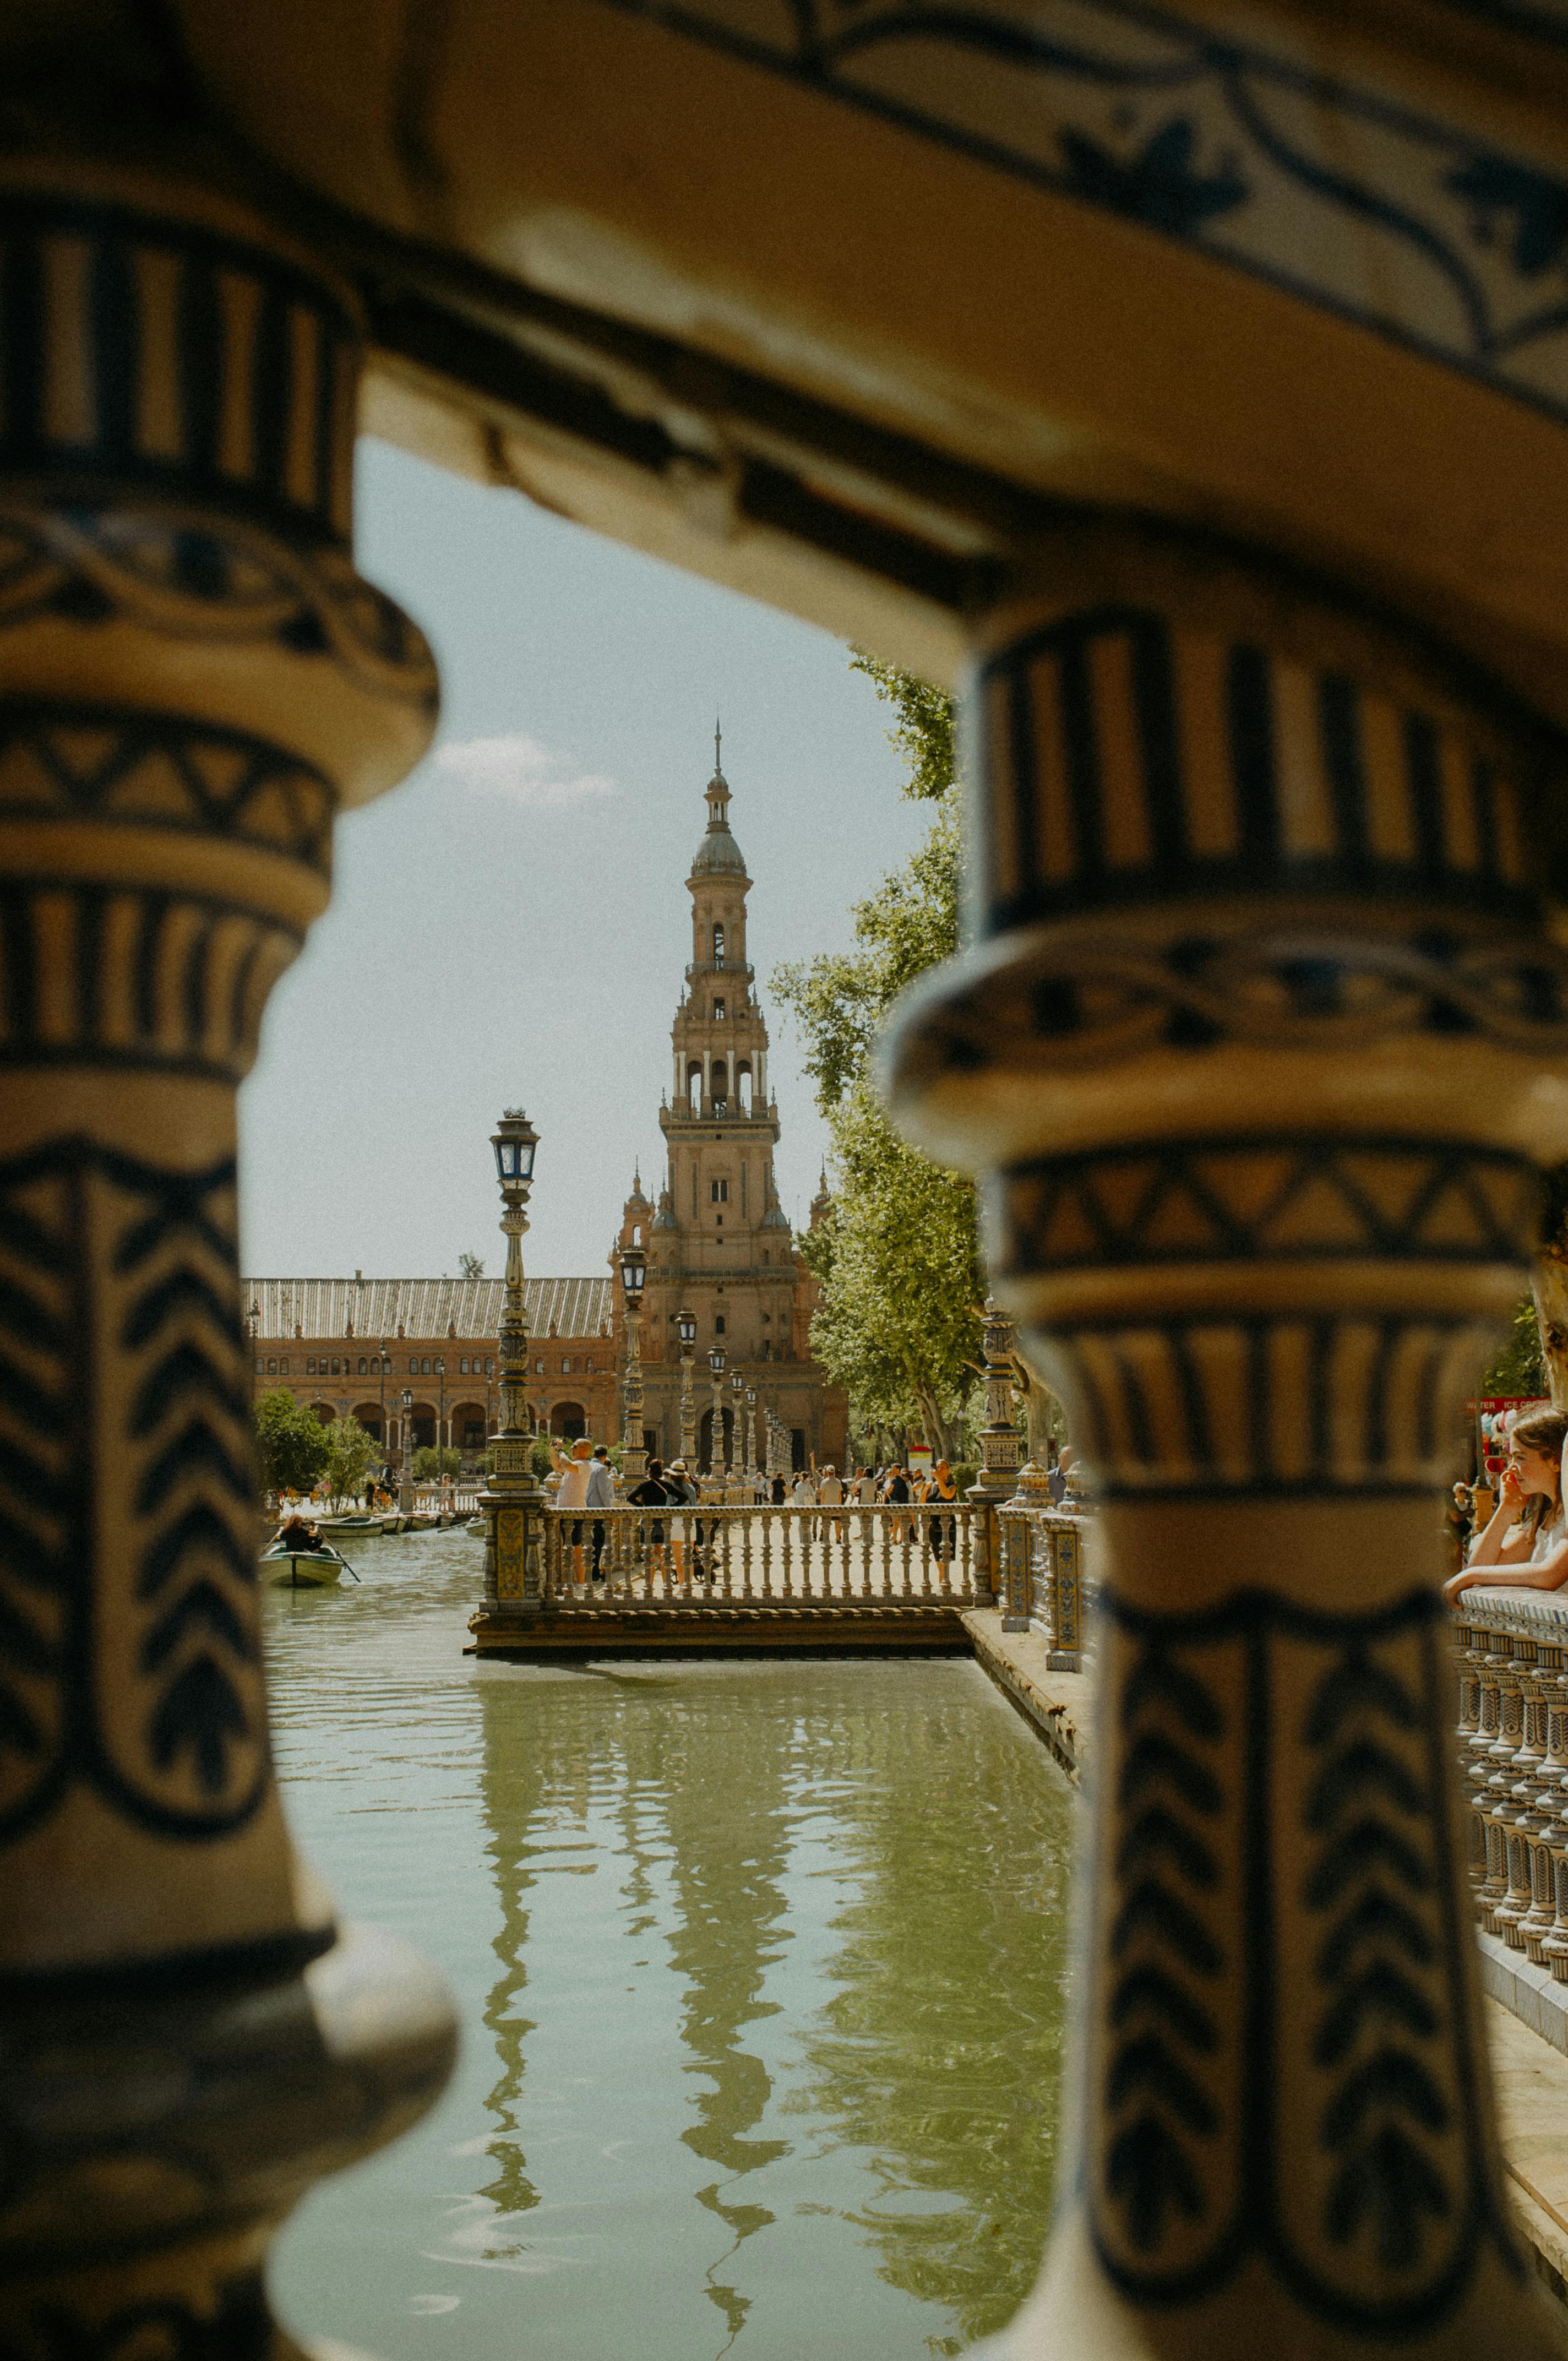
[[349, 1524]]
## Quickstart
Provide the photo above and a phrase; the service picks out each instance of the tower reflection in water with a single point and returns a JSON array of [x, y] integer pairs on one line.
[[782, 1949]]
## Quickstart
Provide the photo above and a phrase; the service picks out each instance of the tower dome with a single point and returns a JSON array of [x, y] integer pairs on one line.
[[718, 850]]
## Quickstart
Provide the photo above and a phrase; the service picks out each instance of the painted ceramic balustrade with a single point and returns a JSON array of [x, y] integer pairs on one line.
[[192, 679], [1258, 1051]]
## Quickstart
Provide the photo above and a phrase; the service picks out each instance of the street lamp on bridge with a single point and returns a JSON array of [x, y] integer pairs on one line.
[[633, 1273], [685, 1329], [406, 1475], [716, 1440], [513, 1503]]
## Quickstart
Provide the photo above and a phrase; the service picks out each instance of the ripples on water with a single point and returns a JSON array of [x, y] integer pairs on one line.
[[758, 1967]]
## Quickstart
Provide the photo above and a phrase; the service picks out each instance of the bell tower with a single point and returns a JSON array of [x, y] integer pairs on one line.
[[720, 1129], [720, 1244]]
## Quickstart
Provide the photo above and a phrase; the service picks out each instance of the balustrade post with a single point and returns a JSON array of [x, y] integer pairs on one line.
[[192, 679], [1015, 1526], [1000, 1440], [1252, 1054], [1066, 1651]]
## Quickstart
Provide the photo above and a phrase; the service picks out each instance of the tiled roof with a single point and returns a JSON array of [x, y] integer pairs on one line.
[[426, 1307]]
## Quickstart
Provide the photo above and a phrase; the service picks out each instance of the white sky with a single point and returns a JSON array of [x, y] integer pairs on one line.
[[509, 927]]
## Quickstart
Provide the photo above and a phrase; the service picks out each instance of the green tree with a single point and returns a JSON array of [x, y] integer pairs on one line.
[[349, 1451], [429, 1463], [290, 1443], [1519, 1365], [898, 1256]]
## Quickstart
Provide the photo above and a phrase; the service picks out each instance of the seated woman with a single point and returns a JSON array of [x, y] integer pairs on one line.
[[1524, 1543]]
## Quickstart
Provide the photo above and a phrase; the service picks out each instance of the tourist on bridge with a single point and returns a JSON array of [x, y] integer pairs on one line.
[[830, 1492], [865, 1489], [682, 1492], [804, 1496], [895, 1492], [778, 1491], [943, 1531], [653, 1492], [586, 1483], [1524, 1540]]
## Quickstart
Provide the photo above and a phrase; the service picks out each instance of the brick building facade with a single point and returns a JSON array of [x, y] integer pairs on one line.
[[352, 1347]]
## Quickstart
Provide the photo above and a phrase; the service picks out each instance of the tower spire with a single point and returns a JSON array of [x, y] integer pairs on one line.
[[718, 765]]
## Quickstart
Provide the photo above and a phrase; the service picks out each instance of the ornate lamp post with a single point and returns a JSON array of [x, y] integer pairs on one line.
[[633, 1459], [406, 1474], [685, 1329], [382, 1363], [732, 1457], [716, 1441], [439, 1431], [750, 1437], [512, 1504]]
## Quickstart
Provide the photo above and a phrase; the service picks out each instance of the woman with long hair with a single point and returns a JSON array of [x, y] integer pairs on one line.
[[1524, 1542]]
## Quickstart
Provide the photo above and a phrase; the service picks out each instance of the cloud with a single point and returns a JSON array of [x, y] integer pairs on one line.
[[522, 770]]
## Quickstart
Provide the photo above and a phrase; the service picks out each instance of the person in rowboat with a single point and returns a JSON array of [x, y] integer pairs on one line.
[[295, 1535]]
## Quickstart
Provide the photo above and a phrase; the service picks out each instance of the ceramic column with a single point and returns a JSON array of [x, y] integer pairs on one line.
[[191, 679], [1257, 1051]]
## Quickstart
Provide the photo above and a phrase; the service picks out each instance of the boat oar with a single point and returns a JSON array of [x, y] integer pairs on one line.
[[344, 1563]]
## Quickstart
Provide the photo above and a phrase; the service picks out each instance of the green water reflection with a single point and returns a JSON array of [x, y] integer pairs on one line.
[[760, 1966]]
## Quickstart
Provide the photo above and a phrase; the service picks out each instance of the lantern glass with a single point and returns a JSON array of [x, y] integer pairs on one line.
[[407, 1399], [686, 1328], [716, 1360], [633, 1270], [514, 1144]]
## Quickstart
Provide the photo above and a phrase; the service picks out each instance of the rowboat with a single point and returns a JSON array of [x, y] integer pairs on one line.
[[349, 1524], [302, 1569]]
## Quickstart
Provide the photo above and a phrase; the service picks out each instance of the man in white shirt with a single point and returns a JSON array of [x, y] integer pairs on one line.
[[586, 1483]]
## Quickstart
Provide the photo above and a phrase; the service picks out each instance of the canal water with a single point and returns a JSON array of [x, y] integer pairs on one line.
[[759, 1972]]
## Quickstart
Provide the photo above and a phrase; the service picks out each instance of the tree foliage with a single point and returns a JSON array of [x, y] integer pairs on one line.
[[290, 1443], [429, 1463], [923, 730], [349, 1451], [1519, 1366], [897, 1257]]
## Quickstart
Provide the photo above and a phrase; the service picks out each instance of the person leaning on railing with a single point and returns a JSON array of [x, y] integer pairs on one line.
[[1524, 1541]]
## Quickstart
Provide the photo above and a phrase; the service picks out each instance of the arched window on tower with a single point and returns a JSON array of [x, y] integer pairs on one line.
[[694, 1089], [718, 944], [720, 1086], [744, 1086]]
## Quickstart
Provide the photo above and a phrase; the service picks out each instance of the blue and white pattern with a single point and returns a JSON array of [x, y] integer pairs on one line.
[[1338, 191]]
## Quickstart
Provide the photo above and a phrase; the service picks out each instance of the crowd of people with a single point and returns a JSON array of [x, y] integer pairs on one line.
[[583, 1480]]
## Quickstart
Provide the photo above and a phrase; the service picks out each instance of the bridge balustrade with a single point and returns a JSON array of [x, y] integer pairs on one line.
[[1044, 1582], [1512, 1652], [822, 1558]]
